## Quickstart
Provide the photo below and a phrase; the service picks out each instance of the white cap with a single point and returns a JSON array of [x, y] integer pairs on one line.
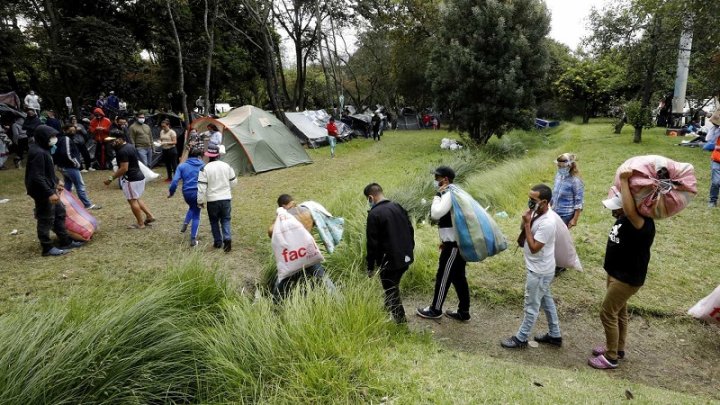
[[614, 202]]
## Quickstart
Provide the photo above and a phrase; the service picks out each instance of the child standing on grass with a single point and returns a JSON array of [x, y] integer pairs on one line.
[[539, 250], [188, 172]]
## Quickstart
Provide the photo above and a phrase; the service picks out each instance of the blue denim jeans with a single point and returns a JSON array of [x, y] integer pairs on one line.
[[72, 178], [193, 213], [145, 155], [538, 295], [219, 214], [332, 141], [714, 182]]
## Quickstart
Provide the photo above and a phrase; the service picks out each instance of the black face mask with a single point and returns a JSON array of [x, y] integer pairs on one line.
[[532, 204]]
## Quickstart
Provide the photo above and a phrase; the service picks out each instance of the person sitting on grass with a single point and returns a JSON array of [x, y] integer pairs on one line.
[[132, 181], [317, 271], [539, 251], [188, 172]]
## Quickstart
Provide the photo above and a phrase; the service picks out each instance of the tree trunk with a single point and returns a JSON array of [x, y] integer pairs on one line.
[[181, 67], [210, 34], [649, 72], [637, 136]]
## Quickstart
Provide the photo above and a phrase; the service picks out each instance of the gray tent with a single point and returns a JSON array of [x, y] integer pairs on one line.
[[309, 126]]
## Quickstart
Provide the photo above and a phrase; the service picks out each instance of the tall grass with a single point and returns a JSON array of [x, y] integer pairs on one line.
[[141, 349], [315, 346]]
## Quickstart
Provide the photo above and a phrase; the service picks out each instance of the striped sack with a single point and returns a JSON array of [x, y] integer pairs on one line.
[[477, 234], [80, 224]]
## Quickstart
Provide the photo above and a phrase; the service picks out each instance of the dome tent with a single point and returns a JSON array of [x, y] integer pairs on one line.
[[255, 141]]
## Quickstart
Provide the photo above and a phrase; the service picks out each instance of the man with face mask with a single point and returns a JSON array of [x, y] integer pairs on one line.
[[539, 230], [141, 137], [67, 158], [100, 129], [390, 245], [451, 267], [626, 261], [44, 188], [132, 182]]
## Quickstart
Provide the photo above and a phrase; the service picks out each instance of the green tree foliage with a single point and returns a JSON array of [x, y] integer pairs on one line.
[[488, 61], [588, 84]]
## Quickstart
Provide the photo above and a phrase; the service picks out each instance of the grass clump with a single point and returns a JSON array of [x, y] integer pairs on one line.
[[142, 349], [315, 346]]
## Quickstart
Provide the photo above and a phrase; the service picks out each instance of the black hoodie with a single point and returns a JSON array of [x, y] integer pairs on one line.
[[40, 179]]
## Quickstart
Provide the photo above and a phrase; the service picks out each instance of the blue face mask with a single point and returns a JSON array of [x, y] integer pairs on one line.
[[564, 171], [53, 149]]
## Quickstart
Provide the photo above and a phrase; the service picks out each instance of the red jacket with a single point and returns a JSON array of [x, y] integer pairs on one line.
[[100, 128], [332, 129]]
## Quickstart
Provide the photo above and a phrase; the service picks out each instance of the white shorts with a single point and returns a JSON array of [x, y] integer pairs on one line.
[[132, 189]]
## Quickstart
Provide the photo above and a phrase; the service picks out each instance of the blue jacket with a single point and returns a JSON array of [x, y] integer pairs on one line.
[[188, 172]]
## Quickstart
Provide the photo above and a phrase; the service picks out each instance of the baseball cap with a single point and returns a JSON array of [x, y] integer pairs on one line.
[[212, 151], [613, 202], [445, 171]]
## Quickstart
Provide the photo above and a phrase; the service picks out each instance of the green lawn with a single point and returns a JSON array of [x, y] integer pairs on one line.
[[315, 347]]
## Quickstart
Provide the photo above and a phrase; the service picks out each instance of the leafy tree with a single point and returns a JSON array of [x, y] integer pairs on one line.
[[589, 84], [487, 63]]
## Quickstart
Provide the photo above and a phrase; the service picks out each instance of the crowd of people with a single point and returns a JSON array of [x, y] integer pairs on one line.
[[207, 184]]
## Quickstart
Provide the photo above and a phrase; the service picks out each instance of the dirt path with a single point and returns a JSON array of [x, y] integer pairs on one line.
[[679, 355]]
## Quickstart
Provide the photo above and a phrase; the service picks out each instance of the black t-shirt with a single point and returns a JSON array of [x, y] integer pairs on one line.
[[127, 153], [628, 251]]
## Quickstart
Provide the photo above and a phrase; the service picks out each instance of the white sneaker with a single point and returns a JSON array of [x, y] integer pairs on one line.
[[83, 171], [92, 169]]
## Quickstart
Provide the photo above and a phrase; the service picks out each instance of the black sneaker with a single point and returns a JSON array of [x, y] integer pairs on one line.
[[183, 228], [513, 343], [227, 245], [458, 315], [217, 245], [546, 338], [428, 313]]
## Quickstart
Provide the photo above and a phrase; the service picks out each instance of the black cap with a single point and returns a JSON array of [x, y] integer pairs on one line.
[[445, 171]]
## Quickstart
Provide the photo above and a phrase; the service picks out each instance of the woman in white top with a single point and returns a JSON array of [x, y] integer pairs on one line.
[[168, 140]]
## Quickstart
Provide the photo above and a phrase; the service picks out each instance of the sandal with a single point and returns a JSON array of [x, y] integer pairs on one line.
[[150, 221], [135, 226]]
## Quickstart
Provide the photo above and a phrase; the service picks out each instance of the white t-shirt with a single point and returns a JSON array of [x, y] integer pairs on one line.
[[542, 262]]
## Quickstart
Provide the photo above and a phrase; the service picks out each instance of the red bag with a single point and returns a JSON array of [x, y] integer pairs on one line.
[[660, 186], [80, 224]]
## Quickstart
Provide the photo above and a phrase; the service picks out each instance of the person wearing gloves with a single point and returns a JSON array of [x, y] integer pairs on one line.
[[214, 187], [44, 187], [451, 267], [390, 245], [188, 172]]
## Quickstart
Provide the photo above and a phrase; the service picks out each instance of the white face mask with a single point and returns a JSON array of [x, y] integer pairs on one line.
[[436, 184], [141, 120], [53, 141], [564, 171]]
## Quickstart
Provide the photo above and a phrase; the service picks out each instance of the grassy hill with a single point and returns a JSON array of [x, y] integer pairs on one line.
[[137, 316]]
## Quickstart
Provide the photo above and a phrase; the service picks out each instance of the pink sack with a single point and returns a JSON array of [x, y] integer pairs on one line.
[[80, 224], [661, 187], [708, 308]]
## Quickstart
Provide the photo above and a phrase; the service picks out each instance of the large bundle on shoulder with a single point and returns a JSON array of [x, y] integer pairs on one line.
[[80, 224], [329, 228], [294, 247], [477, 234], [661, 187]]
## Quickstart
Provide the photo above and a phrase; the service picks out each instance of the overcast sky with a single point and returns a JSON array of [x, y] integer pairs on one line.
[[569, 19]]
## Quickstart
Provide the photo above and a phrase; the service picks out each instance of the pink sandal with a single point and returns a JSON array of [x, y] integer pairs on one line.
[[598, 350], [601, 363]]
